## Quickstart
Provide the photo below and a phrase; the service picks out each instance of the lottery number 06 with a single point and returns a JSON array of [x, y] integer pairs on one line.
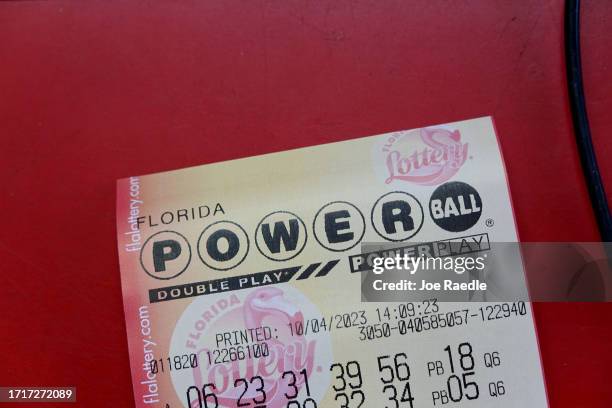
[[203, 397]]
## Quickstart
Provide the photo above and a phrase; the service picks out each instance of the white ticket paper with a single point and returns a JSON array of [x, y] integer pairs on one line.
[[242, 284]]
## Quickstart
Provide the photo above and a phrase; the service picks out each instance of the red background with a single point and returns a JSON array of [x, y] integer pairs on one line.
[[92, 92]]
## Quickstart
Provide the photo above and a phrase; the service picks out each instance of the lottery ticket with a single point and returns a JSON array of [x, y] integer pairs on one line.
[[242, 280]]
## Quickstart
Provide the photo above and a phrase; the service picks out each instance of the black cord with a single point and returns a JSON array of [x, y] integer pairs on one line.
[[581, 120]]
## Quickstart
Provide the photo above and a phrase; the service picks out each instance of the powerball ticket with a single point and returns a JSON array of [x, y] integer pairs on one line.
[[242, 280]]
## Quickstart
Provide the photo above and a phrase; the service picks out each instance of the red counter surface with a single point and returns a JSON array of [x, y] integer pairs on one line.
[[92, 92]]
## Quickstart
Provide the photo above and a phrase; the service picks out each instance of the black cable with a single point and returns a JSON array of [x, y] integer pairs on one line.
[[581, 120]]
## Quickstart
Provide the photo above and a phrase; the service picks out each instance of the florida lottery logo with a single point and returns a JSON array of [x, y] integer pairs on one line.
[[251, 349], [427, 157]]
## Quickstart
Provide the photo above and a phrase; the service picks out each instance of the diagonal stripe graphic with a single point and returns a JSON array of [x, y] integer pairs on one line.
[[308, 271], [328, 267]]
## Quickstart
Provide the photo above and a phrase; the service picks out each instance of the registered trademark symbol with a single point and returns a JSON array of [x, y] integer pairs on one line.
[[489, 222]]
